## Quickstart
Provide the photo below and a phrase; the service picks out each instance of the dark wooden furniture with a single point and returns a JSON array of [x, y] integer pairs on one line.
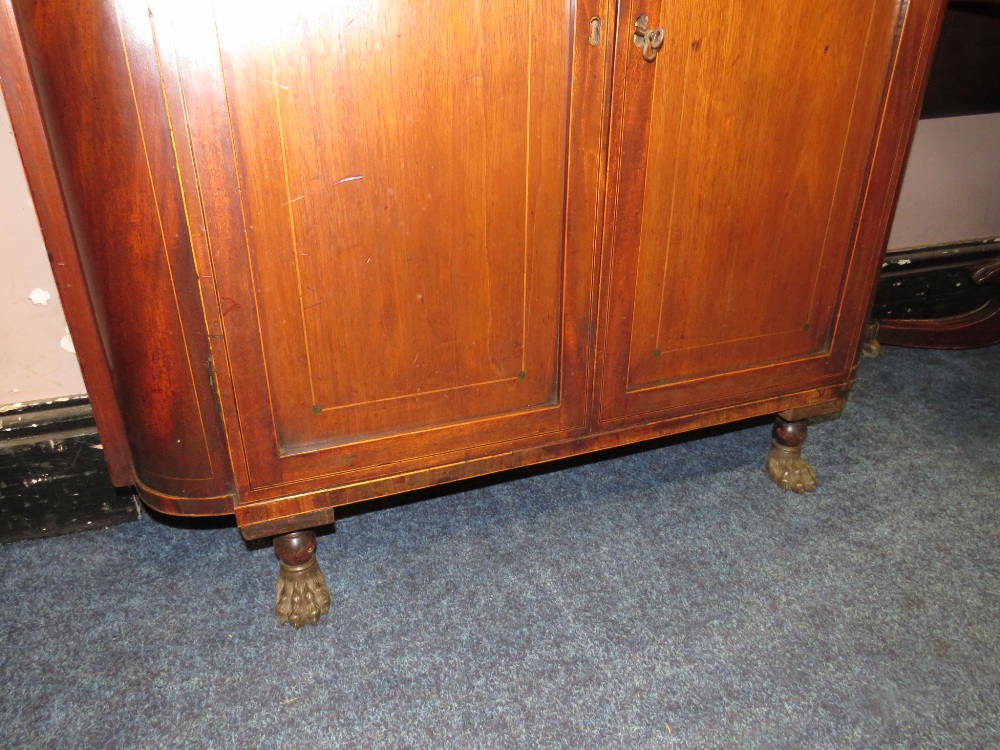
[[944, 297], [963, 79], [316, 253]]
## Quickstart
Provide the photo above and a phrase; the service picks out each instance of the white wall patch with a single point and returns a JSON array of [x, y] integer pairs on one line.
[[66, 342], [39, 296]]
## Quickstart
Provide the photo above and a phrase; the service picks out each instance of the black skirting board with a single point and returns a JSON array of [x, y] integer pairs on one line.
[[933, 282], [53, 479]]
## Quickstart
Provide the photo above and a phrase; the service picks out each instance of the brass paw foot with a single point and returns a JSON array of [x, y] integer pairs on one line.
[[785, 464], [789, 470], [302, 597], [870, 346]]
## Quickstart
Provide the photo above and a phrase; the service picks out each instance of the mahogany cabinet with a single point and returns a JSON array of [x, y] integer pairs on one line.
[[315, 252]]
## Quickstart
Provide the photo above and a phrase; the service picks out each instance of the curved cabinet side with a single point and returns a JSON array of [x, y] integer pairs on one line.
[[26, 122], [109, 135]]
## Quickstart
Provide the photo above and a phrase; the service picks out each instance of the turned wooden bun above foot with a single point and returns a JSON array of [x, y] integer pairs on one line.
[[301, 593]]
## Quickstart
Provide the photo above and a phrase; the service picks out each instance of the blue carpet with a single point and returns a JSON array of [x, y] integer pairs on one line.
[[662, 597]]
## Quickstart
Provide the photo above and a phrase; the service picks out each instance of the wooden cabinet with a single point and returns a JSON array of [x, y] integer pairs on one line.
[[316, 253]]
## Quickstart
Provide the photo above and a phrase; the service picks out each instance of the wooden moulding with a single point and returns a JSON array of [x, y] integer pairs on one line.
[[174, 505], [254, 522], [282, 514], [821, 409]]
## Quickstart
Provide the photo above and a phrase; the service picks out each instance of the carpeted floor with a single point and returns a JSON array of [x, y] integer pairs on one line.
[[664, 597]]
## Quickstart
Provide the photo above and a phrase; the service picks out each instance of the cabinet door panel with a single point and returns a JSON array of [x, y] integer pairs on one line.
[[752, 131], [403, 178]]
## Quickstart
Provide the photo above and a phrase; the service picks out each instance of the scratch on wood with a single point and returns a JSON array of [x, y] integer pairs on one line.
[[350, 179], [294, 200], [231, 305], [275, 83]]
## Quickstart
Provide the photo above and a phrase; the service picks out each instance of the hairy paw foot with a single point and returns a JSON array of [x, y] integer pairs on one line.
[[302, 596], [789, 470]]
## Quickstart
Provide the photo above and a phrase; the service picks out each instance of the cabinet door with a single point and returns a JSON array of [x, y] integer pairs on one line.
[[404, 224], [745, 147]]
